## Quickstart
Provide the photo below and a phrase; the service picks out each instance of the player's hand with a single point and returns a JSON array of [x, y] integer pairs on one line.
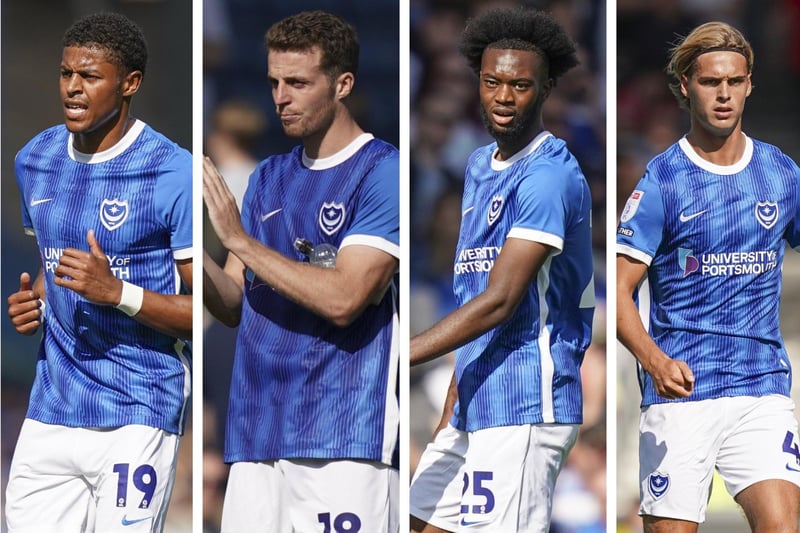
[[89, 274], [25, 307], [222, 209], [672, 379]]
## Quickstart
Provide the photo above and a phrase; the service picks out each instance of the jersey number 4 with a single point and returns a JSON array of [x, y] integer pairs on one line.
[[790, 447]]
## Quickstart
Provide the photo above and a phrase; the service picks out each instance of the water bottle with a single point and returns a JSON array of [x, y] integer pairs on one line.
[[322, 255]]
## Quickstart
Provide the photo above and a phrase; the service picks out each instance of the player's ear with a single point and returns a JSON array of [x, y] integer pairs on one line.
[[344, 85], [749, 84], [684, 83], [547, 87], [131, 82]]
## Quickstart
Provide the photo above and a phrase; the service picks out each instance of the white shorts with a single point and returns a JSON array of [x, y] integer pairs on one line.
[[310, 495], [90, 479], [748, 439], [494, 480]]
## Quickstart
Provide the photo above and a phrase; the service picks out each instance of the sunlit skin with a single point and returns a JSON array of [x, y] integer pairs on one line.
[[717, 91], [96, 96], [308, 102], [513, 86]]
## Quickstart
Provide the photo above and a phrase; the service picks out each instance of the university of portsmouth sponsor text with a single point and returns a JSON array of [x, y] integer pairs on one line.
[[479, 259]]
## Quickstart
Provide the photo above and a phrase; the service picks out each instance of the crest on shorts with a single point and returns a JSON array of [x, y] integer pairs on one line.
[[767, 213], [495, 208], [658, 484], [331, 217], [113, 213], [631, 206]]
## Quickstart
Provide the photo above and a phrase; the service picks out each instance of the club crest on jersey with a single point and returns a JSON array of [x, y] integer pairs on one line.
[[113, 213], [331, 217], [495, 208], [631, 206], [767, 213], [658, 484]]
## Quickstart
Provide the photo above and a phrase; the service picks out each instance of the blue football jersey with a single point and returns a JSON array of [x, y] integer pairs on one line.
[[526, 370], [97, 367], [303, 387], [713, 240]]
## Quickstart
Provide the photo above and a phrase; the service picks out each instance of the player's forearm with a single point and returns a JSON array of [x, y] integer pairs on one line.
[[170, 314], [221, 295], [632, 335], [336, 294], [465, 324], [449, 406], [38, 285]]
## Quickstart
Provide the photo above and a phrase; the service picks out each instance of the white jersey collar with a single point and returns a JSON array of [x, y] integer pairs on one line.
[[106, 155], [525, 152], [339, 157], [723, 170]]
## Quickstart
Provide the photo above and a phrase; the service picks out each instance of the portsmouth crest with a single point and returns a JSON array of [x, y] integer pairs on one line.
[[113, 213], [767, 213], [331, 217], [495, 208], [631, 206], [658, 484]]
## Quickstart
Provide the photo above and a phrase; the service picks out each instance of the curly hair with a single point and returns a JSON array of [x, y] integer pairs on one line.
[[519, 29], [708, 37], [115, 34], [335, 37]]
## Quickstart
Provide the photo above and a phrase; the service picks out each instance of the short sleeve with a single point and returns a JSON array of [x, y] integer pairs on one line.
[[542, 199], [19, 172], [792, 234], [173, 201], [377, 222], [641, 223]]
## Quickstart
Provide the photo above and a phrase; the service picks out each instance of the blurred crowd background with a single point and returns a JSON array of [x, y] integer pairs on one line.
[[445, 129], [31, 54], [649, 120]]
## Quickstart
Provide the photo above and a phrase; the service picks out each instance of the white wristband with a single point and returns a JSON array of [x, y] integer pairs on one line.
[[131, 300]]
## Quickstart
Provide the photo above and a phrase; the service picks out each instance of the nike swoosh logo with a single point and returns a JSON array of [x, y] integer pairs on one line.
[[41, 201], [467, 210], [466, 524], [686, 218], [270, 214], [126, 522], [792, 468]]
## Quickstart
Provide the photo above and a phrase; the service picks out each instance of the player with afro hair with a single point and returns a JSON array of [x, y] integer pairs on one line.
[[519, 29]]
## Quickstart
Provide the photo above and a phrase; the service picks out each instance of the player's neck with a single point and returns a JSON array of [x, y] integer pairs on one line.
[[341, 132], [104, 137], [720, 150], [508, 147]]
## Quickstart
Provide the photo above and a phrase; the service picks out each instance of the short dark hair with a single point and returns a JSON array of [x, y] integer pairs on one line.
[[519, 29], [115, 34], [335, 37]]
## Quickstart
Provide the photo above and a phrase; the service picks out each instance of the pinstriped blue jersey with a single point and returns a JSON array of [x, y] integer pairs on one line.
[[713, 239], [526, 370], [302, 387], [97, 367]]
